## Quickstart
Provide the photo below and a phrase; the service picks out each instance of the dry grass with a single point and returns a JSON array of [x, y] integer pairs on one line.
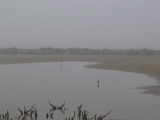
[[140, 64]]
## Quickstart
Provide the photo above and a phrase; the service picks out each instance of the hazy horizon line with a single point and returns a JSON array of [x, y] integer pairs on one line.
[[78, 48]]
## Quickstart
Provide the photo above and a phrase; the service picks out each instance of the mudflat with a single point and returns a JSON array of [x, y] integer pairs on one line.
[[139, 64], [149, 65]]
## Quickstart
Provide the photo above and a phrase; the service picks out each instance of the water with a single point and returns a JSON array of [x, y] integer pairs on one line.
[[36, 83]]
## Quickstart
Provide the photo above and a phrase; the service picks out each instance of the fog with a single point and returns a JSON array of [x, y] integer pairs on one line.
[[80, 23]]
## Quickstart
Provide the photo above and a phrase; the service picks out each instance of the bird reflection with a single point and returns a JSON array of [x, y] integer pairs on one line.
[[98, 83]]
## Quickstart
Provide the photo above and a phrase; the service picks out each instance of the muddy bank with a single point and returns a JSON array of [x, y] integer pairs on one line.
[[149, 65]]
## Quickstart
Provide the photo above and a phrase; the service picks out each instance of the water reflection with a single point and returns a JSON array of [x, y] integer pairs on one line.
[[28, 84], [98, 83]]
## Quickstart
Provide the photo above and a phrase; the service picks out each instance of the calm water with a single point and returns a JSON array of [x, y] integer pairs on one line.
[[36, 83]]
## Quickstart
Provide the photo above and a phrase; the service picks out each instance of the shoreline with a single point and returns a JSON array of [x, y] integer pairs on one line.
[[148, 65]]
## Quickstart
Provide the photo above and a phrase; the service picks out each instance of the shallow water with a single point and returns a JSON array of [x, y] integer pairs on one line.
[[36, 83]]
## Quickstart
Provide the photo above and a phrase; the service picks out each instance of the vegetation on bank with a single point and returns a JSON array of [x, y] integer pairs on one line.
[[79, 51]]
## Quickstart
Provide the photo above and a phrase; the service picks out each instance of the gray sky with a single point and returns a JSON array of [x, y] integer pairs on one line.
[[80, 23]]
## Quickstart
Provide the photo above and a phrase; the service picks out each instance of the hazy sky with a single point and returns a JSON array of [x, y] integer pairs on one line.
[[80, 23]]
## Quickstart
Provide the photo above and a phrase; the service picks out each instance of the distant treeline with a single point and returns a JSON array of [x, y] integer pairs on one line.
[[79, 51]]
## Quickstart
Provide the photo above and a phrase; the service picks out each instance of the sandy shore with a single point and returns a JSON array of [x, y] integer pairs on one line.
[[149, 65]]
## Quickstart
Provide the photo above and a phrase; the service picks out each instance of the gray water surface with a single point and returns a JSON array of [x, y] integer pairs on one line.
[[36, 83]]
